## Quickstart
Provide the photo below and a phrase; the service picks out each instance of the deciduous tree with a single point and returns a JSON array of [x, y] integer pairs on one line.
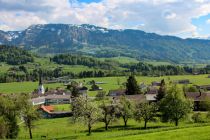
[[125, 109], [174, 106], [146, 112]]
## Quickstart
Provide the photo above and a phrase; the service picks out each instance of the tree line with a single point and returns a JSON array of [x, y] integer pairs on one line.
[[172, 107], [71, 59], [14, 56]]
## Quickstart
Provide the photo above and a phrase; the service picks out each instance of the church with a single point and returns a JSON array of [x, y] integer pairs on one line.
[[41, 89]]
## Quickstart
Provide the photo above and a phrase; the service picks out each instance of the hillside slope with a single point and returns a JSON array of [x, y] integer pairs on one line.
[[102, 42]]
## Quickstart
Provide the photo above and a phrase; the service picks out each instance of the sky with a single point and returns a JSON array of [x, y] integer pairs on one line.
[[183, 18]]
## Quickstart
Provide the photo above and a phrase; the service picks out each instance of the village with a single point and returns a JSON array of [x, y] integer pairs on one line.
[[46, 100]]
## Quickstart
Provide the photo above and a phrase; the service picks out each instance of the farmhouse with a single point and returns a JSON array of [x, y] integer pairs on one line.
[[57, 99], [51, 99], [198, 98]]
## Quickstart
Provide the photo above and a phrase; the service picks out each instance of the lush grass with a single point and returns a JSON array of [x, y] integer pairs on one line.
[[24, 87], [110, 83], [4, 68], [193, 133], [63, 129], [62, 107], [158, 63]]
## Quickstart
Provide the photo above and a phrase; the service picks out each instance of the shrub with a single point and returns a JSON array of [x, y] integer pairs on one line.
[[198, 118]]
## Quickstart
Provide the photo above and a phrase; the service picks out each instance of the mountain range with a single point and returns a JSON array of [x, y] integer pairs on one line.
[[102, 42]]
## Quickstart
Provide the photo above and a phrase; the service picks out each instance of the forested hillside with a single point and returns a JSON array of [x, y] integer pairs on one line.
[[103, 42], [14, 55]]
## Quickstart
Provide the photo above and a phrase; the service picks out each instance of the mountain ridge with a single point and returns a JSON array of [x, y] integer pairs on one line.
[[104, 42]]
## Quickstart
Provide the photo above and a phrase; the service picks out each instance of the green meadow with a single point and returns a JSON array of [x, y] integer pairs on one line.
[[110, 83], [63, 128]]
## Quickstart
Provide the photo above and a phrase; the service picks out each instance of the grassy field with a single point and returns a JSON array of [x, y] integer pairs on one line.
[[62, 107], [110, 83], [63, 129], [192, 133], [24, 87]]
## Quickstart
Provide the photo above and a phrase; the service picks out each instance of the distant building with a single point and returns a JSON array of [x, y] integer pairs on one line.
[[52, 99], [155, 83], [57, 99], [198, 98], [118, 92]]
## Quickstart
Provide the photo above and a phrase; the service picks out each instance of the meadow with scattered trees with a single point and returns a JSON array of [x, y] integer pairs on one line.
[[104, 117]]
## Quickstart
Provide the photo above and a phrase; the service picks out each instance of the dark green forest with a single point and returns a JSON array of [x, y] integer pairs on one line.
[[14, 55], [21, 69]]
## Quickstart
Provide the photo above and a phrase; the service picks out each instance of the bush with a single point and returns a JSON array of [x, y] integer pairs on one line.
[[198, 118], [208, 116], [101, 95]]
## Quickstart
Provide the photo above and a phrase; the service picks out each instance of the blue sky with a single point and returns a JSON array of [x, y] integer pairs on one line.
[[203, 24], [183, 18]]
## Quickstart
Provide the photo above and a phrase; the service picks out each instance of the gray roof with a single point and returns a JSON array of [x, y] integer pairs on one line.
[[38, 100], [57, 97]]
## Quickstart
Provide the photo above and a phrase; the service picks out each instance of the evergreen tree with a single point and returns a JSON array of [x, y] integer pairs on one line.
[[132, 86], [161, 91]]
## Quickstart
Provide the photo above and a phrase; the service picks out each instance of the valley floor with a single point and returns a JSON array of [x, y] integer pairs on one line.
[[110, 83]]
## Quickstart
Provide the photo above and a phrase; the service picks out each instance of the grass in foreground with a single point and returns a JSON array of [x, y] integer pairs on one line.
[[63, 129]]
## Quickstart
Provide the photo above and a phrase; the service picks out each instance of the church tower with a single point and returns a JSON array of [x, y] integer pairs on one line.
[[41, 87]]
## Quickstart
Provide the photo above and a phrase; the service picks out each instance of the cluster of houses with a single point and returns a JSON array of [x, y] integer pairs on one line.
[[60, 96], [151, 92], [45, 99]]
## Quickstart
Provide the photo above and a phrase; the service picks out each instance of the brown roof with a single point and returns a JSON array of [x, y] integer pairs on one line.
[[197, 96], [138, 97]]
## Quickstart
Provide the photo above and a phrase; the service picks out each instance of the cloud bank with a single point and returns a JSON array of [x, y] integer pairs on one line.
[[173, 17]]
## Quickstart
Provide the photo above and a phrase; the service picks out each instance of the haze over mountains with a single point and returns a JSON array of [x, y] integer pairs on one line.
[[102, 42]]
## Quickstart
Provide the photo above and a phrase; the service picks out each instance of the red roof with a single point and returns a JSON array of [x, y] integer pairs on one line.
[[47, 108]]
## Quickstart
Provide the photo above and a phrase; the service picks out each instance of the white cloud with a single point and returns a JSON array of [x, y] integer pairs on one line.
[[160, 16], [208, 21]]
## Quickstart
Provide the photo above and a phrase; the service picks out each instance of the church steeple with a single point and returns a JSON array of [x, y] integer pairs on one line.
[[41, 87]]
